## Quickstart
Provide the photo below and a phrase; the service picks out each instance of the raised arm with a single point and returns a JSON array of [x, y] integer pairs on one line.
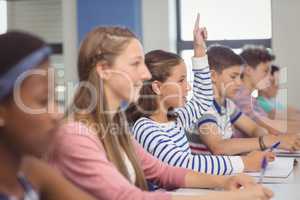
[[202, 85]]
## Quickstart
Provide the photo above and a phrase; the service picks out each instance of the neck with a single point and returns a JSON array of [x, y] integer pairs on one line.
[[160, 115], [247, 83], [220, 99], [9, 167]]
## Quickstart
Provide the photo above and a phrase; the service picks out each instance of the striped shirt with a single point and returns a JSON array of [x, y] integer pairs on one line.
[[223, 117], [168, 141]]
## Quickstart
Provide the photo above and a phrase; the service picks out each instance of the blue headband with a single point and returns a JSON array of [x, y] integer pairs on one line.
[[31, 61]]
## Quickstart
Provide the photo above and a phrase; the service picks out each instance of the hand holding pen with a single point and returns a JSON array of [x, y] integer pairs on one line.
[[264, 162], [264, 165]]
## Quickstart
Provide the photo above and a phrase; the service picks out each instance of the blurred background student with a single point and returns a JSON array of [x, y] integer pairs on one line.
[[26, 126]]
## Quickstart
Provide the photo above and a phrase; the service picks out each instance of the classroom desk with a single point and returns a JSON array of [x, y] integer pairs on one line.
[[288, 190]]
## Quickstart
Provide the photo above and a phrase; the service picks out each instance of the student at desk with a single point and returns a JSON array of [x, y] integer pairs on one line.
[[94, 148], [217, 125]]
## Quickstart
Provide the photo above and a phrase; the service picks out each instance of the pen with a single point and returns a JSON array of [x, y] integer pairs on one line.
[[264, 165], [274, 146]]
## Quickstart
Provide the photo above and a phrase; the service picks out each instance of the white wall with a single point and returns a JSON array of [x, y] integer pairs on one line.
[[56, 22], [159, 25], [286, 44]]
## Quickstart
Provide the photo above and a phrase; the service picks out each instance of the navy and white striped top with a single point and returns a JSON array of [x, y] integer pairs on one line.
[[168, 141]]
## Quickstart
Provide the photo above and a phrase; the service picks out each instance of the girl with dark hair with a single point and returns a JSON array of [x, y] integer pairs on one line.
[[162, 131], [26, 129]]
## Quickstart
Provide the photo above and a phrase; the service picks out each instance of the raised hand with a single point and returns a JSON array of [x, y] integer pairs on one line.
[[200, 36]]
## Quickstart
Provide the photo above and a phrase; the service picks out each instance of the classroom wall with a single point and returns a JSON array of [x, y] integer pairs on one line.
[[286, 44], [158, 33], [91, 13], [159, 24], [153, 20]]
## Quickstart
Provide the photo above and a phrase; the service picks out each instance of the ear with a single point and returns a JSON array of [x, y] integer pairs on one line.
[[102, 69], [214, 76], [156, 87]]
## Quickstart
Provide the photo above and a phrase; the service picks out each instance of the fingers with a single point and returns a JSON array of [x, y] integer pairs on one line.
[[296, 145], [244, 180], [197, 22], [263, 193], [204, 33], [270, 156], [268, 193]]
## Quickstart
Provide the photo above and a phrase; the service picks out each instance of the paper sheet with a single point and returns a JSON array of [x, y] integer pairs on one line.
[[280, 168]]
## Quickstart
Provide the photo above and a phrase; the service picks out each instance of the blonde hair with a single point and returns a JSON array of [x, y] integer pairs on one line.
[[105, 44]]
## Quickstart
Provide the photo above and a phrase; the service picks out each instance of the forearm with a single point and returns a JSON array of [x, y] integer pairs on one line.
[[258, 131], [236, 146], [209, 195], [199, 51], [201, 180]]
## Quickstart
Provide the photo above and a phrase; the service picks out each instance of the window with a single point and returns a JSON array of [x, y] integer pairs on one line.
[[232, 22], [3, 17]]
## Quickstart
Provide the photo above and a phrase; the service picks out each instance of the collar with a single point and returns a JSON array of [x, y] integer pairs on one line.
[[220, 109]]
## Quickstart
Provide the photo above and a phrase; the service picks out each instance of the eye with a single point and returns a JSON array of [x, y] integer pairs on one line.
[[181, 80], [136, 64], [43, 101]]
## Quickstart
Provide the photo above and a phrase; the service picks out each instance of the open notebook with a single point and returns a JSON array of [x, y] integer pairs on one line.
[[285, 153], [282, 167]]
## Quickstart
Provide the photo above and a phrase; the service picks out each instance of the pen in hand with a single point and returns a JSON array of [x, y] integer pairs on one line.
[[264, 165], [274, 146]]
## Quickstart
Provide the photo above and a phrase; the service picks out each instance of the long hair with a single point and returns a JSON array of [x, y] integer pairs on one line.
[[160, 64], [105, 44]]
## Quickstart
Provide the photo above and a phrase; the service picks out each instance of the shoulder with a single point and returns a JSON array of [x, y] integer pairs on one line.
[[143, 123], [211, 113], [73, 129], [74, 137], [34, 170]]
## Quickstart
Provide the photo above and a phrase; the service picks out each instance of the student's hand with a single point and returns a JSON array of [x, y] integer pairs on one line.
[[238, 181], [200, 36], [253, 160], [264, 84], [255, 192], [290, 142]]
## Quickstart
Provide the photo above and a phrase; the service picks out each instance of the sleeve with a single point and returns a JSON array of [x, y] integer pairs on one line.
[[235, 112], [84, 163], [202, 97], [207, 117], [160, 145], [164, 175], [264, 104]]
